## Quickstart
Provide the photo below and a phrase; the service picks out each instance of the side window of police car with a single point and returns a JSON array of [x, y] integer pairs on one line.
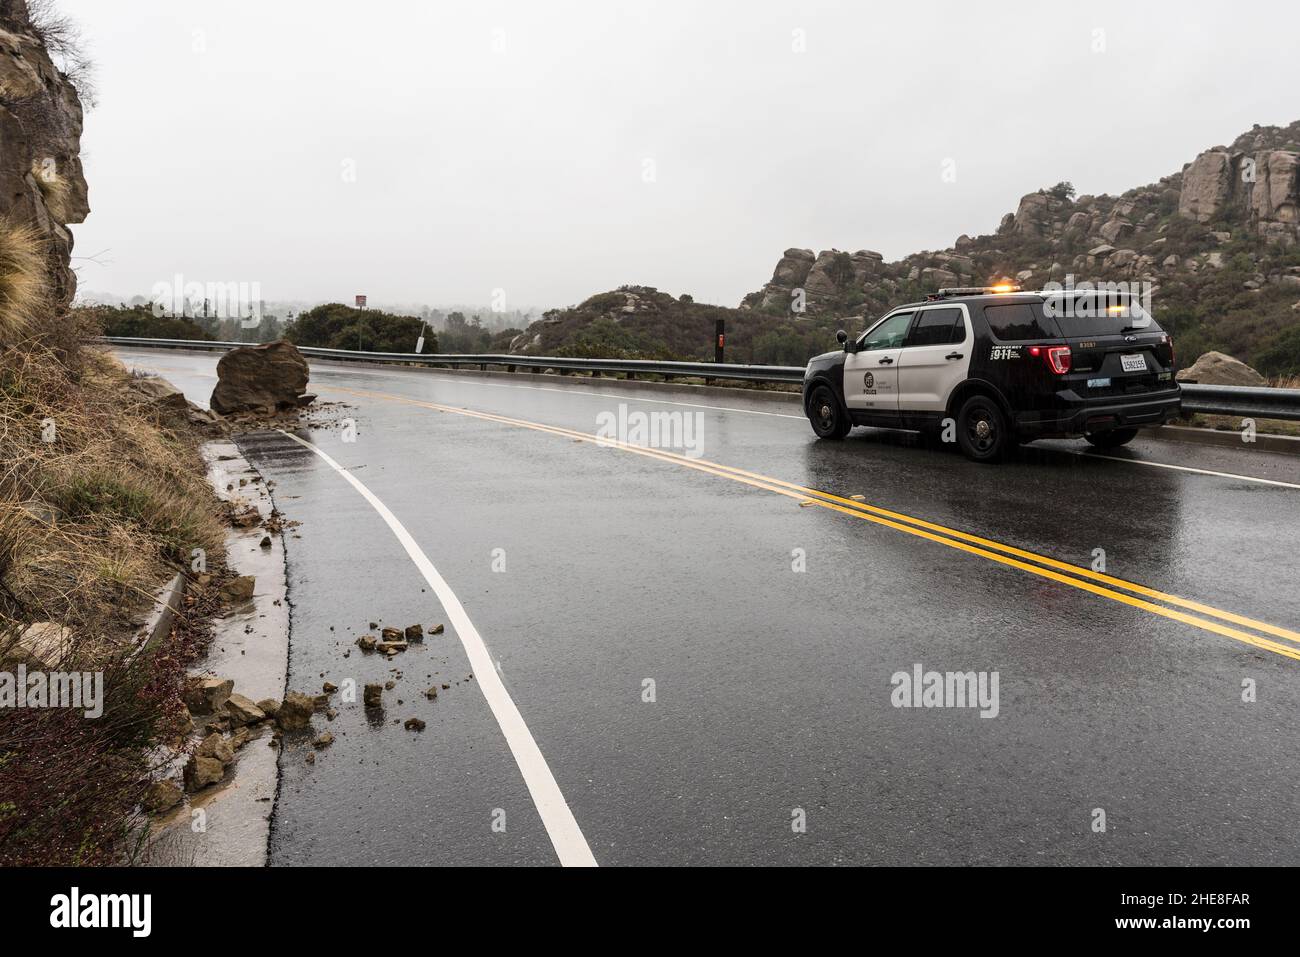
[[888, 335], [938, 327]]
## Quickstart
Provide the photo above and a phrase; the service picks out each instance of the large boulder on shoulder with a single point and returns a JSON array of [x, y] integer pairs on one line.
[[1215, 368], [266, 378], [43, 645]]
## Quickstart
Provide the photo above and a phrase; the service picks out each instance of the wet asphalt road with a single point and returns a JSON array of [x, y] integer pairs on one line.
[[772, 688]]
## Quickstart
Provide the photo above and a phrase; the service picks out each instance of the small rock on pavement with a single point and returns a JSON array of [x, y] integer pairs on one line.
[[295, 711], [202, 771], [392, 634], [414, 633], [329, 687], [207, 695], [366, 642], [216, 746], [373, 696], [435, 629], [270, 707], [391, 648], [323, 741], [162, 796], [266, 541], [414, 724], [432, 692], [239, 589], [243, 711]]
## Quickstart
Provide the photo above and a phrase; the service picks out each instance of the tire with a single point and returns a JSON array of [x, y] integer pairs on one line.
[[1112, 439], [828, 419], [982, 430]]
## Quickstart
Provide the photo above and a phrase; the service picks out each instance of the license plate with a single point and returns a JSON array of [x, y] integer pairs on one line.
[[1137, 363], [1098, 383]]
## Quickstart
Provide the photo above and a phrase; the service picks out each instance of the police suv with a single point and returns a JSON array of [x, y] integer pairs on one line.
[[993, 367]]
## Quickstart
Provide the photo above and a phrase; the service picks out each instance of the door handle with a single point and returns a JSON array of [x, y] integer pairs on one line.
[[886, 361], [953, 355]]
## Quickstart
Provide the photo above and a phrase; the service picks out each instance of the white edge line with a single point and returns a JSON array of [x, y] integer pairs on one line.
[[561, 825], [1183, 468]]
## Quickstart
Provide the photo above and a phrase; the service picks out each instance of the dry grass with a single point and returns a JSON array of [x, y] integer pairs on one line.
[[54, 188], [23, 279], [100, 503]]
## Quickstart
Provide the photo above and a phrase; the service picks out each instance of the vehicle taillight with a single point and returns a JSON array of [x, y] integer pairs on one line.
[[1058, 357]]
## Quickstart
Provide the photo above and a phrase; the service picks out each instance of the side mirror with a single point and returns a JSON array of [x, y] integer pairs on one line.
[[842, 338]]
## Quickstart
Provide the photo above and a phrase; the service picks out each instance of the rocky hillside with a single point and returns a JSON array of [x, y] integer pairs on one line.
[[1218, 241]]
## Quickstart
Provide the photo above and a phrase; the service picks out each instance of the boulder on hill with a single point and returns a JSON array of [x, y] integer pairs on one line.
[[1215, 368], [266, 378]]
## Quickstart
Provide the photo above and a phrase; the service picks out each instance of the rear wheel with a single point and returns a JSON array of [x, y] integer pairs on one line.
[[982, 430], [828, 419], [1112, 439]]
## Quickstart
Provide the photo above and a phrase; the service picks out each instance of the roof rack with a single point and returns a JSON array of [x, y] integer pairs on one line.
[[952, 291]]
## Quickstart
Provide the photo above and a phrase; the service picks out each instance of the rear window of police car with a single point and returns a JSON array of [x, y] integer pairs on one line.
[[1102, 314]]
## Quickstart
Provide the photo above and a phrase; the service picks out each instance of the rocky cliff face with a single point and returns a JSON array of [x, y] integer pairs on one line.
[[41, 180], [1241, 200]]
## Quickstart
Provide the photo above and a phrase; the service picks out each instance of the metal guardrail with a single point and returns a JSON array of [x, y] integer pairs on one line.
[[1253, 401], [1262, 403], [630, 367]]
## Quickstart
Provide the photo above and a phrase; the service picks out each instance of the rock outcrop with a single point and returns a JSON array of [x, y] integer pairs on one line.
[[1261, 188], [1158, 234], [41, 180], [266, 378]]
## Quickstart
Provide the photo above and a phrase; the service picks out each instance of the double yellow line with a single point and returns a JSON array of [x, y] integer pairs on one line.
[[1206, 617]]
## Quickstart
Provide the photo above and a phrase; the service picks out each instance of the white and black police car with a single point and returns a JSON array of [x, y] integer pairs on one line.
[[992, 367]]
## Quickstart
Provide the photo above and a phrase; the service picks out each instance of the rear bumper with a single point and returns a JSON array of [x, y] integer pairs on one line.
[[1103, 417]]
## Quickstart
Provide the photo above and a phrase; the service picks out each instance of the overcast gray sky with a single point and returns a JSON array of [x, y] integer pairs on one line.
[[558, 149]]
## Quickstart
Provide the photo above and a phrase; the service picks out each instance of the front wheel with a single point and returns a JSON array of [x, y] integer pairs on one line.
[[1112, 439], [828, 419], [982, 430]]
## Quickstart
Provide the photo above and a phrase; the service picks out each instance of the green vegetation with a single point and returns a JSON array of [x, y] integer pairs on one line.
[[640, 322], [336, 326], [140, 322]]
